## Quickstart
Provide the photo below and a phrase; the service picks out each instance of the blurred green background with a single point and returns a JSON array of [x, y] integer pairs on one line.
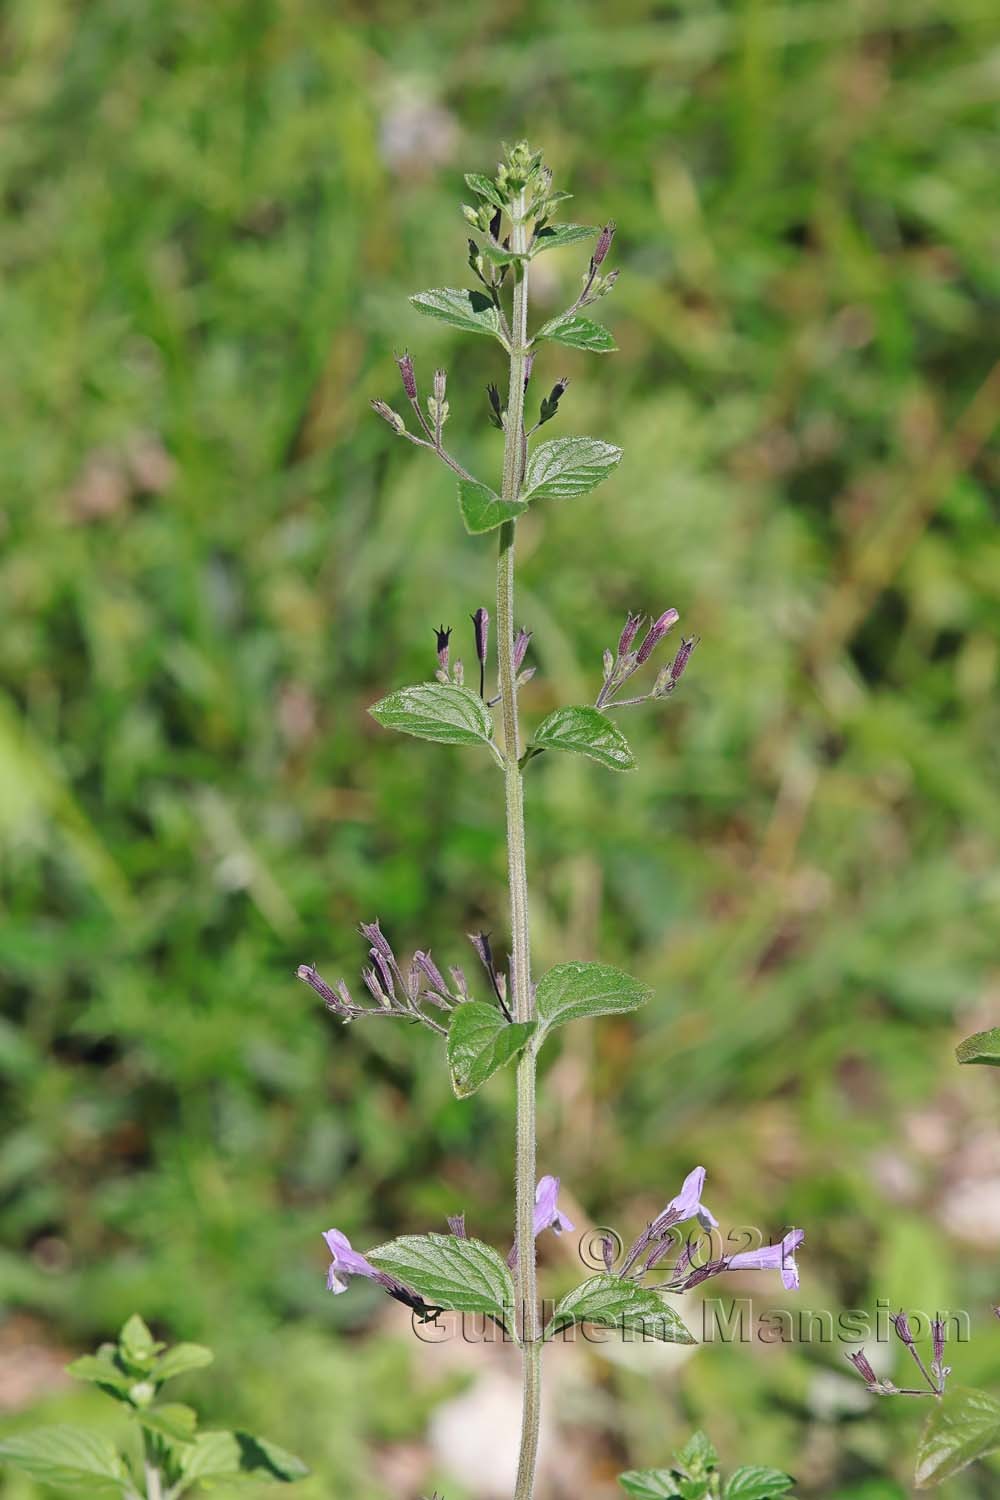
[[213, 559]]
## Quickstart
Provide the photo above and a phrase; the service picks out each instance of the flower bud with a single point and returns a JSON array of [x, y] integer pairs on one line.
[[680, 661], [603, 245], [520, 647], [901, 1323], [471, 215], [937, 1335], [440, 384], [655, 634], [629, 632], [443, 637], [863, 1365], [523, 678], [405, 364], [609, 663]]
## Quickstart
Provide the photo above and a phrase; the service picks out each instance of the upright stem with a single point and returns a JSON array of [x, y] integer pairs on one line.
[[523, 1005]]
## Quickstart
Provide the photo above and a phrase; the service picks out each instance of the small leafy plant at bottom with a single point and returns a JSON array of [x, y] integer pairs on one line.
[[171, 1455], [694, 1475]]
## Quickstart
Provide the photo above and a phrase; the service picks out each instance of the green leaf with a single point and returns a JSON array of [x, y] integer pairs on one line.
[[693, 1489], [172, 1421], [614, 1303], [500, 256], [697, 1456], [485, 188], [180, 1359], [481, 1040], [439, 711], [578, 333], [585, 731], [756, 1482], [464, 1275], [137, 1343], [483, 510], [554, 236], [218, 1455], [568, 466], [649, 1484], [102, 1370], [571, 992], [473, 312], [982, 1047], [67, 1457], [963, 1426]]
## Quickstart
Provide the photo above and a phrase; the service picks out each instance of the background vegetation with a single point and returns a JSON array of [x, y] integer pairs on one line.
[[214, 558]]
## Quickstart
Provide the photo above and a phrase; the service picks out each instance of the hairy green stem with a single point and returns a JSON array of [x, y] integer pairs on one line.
[[513, 465]]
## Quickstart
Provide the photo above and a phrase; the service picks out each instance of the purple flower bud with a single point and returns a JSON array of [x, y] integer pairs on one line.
[[481, 626], [372, 933], [382, 409], [315, 981], [429, 968], [680, 661], [456, 1223], [371, 980], [901, 1323], [405, 364], [655, 634], [529, 365], [608, 1253], [459, 981], [702, 1273], [443, 637], [525, 676], [603, 245], [863, 1365], [383, 971], [629, 632], [440, 385], [520, 647]]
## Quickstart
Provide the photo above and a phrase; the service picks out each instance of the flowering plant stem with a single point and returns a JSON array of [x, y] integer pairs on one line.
[[523, 1005]]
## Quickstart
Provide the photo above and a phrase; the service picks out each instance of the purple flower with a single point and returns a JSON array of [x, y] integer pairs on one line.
[[345, 1262], [687, 1204], [629, 632], [547, 1214], [603, 244], [772, 1258]]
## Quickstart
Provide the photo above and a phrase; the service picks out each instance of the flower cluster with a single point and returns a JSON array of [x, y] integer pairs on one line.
[[935, 1377], [622, 663]]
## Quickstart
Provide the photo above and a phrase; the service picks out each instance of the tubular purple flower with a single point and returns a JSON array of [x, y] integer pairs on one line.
[[345, 1262], [655, 634], [629, 632], [772, 1258], [862, 1364], [405, 364], [520, 647], [687, 1205], [547, 1214]]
